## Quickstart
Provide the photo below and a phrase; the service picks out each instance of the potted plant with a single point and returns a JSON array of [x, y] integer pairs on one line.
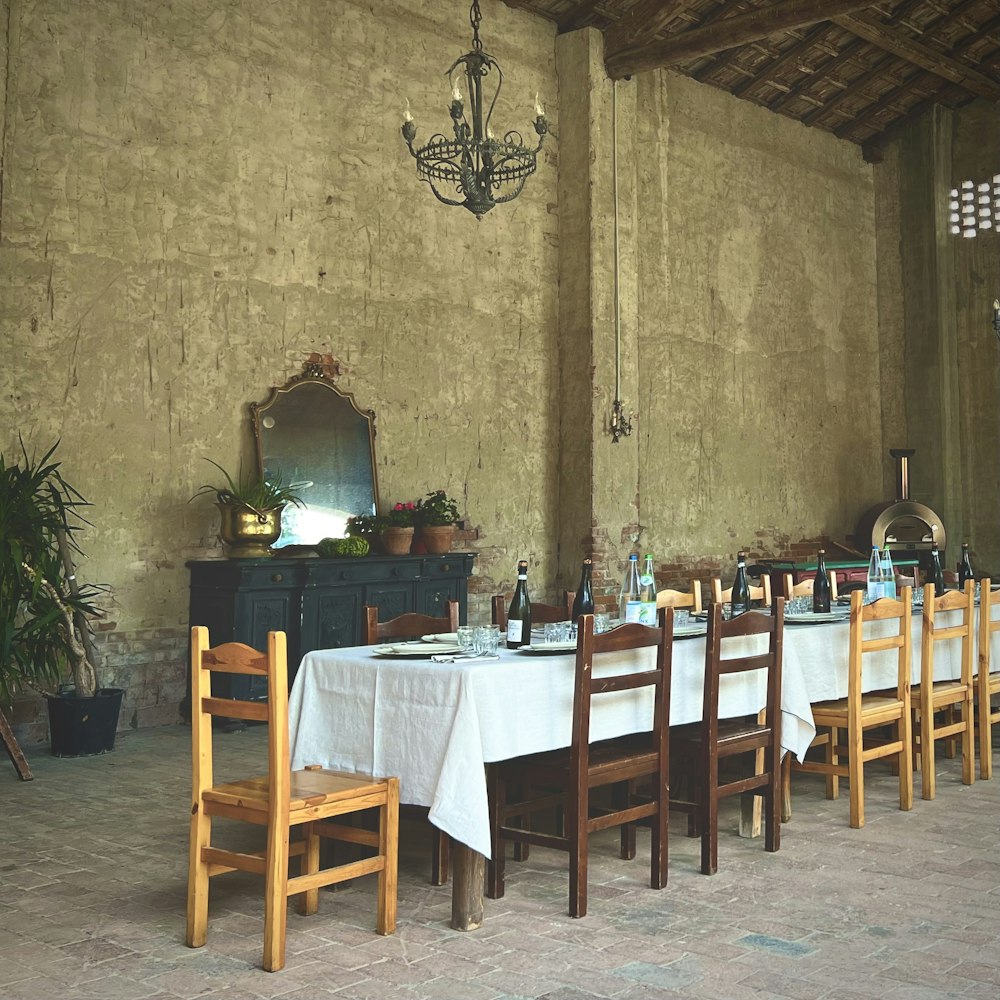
[[396, 535], [44, 614], [367, 526], [251, 507], [436, 517]]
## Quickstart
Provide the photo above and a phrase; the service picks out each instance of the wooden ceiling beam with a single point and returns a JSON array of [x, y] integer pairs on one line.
[[577, 17], [851, 90], [872, 147], [740, 29], [851, 50], [643, 20], [902, 45], [786, 60]]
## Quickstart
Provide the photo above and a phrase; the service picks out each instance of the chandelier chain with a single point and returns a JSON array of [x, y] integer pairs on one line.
[[475, 19]]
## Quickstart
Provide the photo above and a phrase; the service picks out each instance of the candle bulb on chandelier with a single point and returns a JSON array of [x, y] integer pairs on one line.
[[407, 117], [456, 94], [539, 109]]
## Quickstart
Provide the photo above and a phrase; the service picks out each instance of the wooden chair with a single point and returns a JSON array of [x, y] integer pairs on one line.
[[678, 599], [707, 743], [861, 711], [408, 626], [987, 679], [280, 800], [930, 697], [411, 626], [804, 588], [578, 770], [540, 613], [760, 593]]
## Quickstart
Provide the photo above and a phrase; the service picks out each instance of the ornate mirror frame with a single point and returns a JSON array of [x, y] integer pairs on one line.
[[328, 443]]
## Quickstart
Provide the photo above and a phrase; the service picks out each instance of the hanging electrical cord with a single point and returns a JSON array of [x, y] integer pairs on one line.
[[620, 425]]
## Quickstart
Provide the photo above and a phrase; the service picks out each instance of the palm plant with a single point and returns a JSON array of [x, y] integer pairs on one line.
[[253, 491], [43, 613]]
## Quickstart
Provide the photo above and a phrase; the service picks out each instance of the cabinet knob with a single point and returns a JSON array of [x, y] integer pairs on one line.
[[446, 568], [277, 577]]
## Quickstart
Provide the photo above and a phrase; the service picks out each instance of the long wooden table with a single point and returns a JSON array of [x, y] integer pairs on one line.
[[435, 726]]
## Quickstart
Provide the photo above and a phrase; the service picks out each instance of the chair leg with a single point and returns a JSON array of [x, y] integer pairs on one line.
[[786, 787], [772, 801], [927, 766], [275, 898], [950, 743], [388, 847], [197, 900], [579, 809], [440, 854], [308, 902], [905, 762], [832, 780], [497, 787], [968, 744], [658, 839], [709, 831], [624, 797], [856, 770], [985, 736]]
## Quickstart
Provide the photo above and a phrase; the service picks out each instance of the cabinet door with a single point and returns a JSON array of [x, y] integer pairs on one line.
[[258, 613], [433, 596], [391, 599], [331, 618]]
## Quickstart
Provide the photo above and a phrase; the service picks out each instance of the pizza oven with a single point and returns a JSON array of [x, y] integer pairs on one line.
[[901, 525]]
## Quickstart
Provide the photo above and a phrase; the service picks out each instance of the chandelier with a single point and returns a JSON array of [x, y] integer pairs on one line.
[[475, 169]]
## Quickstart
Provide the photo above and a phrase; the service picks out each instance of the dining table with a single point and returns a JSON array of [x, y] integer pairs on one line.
[[435, 725]]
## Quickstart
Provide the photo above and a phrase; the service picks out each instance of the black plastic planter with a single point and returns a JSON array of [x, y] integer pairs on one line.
[[83, 727]]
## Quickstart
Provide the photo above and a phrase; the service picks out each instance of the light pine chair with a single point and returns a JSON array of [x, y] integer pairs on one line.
[[931, 698], [861, 711], [987, 679], [679, 599], [804, 588], [759, 593], [280, 801]]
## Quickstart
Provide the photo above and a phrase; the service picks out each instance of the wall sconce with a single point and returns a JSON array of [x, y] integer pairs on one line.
[[996, 317]]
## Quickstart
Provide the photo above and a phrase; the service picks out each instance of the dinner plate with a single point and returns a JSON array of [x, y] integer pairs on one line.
[[690, 631], [416, 649], [451, 638], [815, 618], [545, 648]]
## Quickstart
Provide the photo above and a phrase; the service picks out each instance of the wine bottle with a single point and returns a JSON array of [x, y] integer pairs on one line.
[[740, 599], [888, 574], [629, 598], [647, 593], [821, 586], [965, 566], [583, 603], [937, 574], [519, 612], [874, 576]]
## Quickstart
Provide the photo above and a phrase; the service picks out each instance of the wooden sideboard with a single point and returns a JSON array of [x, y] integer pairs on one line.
[[316, 602]]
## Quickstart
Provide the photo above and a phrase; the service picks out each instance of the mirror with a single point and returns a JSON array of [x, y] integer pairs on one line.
[[308, 431]]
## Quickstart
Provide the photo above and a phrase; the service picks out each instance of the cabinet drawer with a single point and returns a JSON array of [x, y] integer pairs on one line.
[[335, 573], [456, 565]]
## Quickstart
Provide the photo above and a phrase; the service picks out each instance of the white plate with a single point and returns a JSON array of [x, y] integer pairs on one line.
[[417, 649], [449, 637], [688, 631], [545, 648]]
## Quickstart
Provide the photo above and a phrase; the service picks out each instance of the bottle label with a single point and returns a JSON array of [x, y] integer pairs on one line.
[[633, 611], [515, 629], [647, 612]]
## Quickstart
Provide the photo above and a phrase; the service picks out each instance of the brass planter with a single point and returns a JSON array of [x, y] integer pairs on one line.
[[246, 534]]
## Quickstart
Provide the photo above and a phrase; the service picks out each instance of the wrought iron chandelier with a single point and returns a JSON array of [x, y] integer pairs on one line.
[[475, 169]]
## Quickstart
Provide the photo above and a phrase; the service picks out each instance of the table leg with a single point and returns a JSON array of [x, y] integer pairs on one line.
[[468, 874]]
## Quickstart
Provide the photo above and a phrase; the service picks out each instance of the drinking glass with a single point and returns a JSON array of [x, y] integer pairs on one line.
[[486, 640], [556, 631], [681, 617], [466, 638], [602, 621]]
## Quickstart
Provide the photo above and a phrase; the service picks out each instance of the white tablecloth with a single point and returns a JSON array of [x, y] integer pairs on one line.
[[434, 725]]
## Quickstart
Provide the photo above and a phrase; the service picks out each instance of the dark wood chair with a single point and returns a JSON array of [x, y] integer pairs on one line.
[[540, 613], [702, 746], [411, 626], [987, 679], [568, 777], [279, 801], [408, 626]]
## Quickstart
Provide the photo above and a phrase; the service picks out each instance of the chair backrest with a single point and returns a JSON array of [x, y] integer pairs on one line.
[[237, 658], [987, 626], [752, 623], [885, 609], [408, 626], [540, 613], [804, 588], [931, 633], [587, 687], [678, 599], [761, 593]]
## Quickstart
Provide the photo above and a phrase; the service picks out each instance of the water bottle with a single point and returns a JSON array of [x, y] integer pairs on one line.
[[874, 576], [647, 593], [888, 575], [629, 598]]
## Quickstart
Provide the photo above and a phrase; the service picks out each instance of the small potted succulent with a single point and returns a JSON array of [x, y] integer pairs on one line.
[[436, 518], [251, 507]]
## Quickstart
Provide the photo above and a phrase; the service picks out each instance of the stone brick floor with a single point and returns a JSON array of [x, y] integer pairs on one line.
[[92, 892]]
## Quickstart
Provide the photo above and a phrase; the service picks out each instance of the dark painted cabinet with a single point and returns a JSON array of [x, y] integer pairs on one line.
[[317, 602]]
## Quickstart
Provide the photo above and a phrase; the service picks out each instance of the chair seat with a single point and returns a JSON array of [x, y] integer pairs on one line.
[[729, 731], [309, 790], [871, 705], [950, 691], [629, 755]]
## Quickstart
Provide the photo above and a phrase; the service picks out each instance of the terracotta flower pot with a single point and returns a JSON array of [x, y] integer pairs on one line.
[[396, 541], [437, 538]]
